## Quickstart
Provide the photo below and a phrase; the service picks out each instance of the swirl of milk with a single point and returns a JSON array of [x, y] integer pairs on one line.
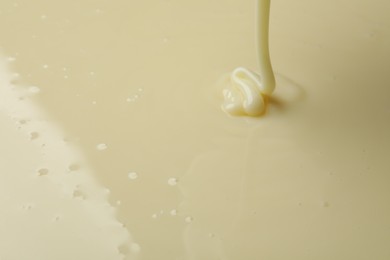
[[248, 90], [244, 97]]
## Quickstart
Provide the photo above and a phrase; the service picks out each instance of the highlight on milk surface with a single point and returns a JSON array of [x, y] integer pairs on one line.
[[51, 205]]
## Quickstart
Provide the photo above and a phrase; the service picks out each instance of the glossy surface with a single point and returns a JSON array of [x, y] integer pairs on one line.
[[135, 88]]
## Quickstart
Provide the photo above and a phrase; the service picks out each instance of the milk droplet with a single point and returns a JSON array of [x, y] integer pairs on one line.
[[34, 135], [101, 147], [43, 172], [34, 89], [123, 249], [28, 207], [172, 181], [79, 194], [188, 219], [73, 167], [56, 219], [132, 175]]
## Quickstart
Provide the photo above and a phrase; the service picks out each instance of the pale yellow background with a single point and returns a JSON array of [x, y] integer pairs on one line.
[[309, 180]]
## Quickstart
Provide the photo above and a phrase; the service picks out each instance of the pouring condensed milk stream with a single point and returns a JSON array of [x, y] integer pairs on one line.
[[249, 91]]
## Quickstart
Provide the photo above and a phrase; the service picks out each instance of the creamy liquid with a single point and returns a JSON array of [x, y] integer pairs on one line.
[[131, 86], [51, 205], [249, 90]]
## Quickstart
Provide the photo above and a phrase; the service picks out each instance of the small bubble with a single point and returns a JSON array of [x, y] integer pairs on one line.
[[64, 69], [118, 202], [45, 66], [43, 17], [34, 135], [11, 59], [132, 175], [188, 219], [28, 207], [154, 216], [135, 248], [73, 167], [34, 89], [161, 212], [78, 194], [92, 73], [173, 212], [325, 204], [94, 102], [101, 147], [123, 249], [172, 181], [22, 122], [165, 40], [43, 172], [370, 34], [66, 77], [56, 219]]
